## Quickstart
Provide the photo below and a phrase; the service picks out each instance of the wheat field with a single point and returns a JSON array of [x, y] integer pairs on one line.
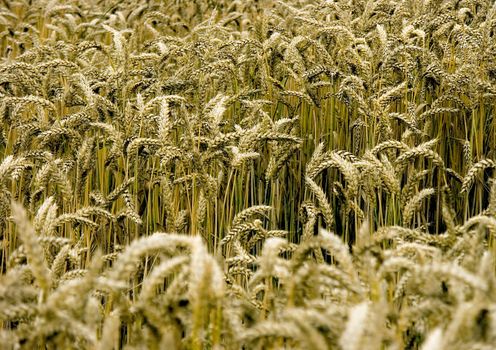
[[216, 174]]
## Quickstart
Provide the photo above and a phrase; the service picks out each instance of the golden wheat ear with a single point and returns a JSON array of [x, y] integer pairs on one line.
[[34, 251]]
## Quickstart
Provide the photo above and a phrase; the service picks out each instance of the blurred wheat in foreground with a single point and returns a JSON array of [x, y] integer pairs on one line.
[[217, 174]]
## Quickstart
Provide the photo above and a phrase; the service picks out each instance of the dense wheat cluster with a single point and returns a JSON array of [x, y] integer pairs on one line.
[[217, 174]]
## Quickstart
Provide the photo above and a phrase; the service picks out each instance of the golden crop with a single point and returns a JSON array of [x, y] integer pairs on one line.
[[217, 174]]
